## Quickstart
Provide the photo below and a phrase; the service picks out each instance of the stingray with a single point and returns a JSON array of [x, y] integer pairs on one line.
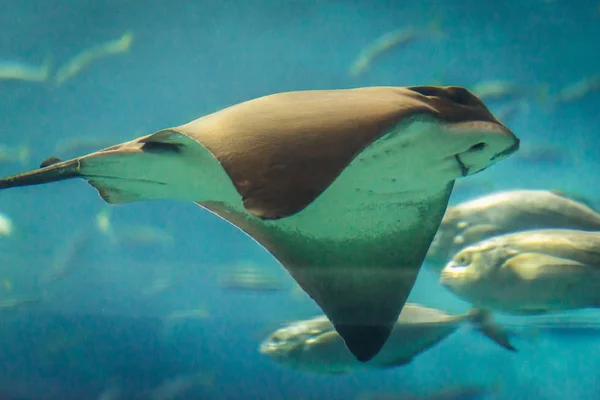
[[345, 188]]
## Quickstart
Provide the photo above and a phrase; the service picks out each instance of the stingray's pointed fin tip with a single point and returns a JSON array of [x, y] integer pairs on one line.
[[364, 341]]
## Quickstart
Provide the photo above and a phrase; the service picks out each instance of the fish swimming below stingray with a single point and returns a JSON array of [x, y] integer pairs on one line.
[[313, 345], [345, 188]]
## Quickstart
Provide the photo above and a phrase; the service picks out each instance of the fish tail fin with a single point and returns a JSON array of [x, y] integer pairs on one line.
[[484, 322]]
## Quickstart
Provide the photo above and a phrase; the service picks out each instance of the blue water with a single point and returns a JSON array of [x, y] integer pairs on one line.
[[95, 328]]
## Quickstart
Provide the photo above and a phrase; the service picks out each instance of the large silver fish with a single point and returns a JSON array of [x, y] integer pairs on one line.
[[313, 345], [529, 272], [506, 212], [346, 188]]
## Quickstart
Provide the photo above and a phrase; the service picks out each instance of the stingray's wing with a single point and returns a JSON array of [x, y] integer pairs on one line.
[[361, 283]]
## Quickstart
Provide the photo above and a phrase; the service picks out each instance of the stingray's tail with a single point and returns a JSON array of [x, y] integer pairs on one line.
[[484, 322], [51, 170]]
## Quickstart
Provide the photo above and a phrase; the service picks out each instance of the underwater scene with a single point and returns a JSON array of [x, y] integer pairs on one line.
[[299, 200]]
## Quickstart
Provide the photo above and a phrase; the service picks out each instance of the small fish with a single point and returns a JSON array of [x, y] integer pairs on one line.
[[132, 235], [17, 302], [538, 152], [82, 60], [19, 154], [159, 285], [495, 90], [529, 272], [20, 71], [104, 223], [571, 93], [385, 43], [579, 89], [507, 111], [80, 144], [66, 258], [248, 277], [6, 226], [143, 235], [174, 322], [202, 312], [567, 324]]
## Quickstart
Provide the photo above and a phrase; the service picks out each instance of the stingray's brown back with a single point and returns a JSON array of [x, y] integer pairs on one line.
[[282, 151]]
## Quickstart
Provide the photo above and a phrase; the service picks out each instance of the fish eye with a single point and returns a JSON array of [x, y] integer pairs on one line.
[[478, 146], [461, 261]]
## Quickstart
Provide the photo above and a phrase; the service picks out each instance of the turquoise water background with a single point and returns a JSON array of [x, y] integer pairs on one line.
[[102, 323]]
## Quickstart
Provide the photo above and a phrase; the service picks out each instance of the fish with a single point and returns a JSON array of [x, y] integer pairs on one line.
[[497, 90], [539, 153], [578, 90], [345, 188], [66, 258], [6, 225], [528, 273], [82, 60], [507, 111], [313, 345], [159, 285], [132, 235], [248, 277], [571, 93], [22, 71], [82, 143], [506, 212], [19, 154], [172, 323], [388, 41], [17, 302], [566, 325]]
